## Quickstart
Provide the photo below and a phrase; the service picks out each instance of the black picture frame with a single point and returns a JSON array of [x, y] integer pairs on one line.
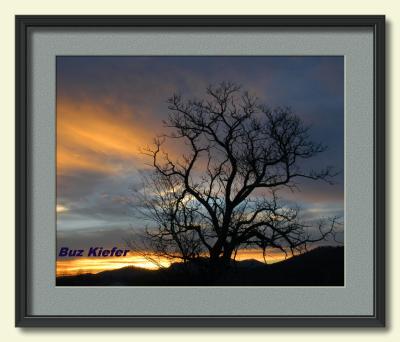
[[22, 186]]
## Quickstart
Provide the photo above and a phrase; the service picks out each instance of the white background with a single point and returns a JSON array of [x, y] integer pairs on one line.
[[7, 11]]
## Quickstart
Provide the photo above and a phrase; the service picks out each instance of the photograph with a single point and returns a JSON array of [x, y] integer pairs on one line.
[[200, 171]]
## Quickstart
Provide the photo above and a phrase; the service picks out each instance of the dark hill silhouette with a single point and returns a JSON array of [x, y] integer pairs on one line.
[[323, 266]]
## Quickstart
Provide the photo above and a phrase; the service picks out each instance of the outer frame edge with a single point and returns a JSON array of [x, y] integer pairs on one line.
[[22, 22]]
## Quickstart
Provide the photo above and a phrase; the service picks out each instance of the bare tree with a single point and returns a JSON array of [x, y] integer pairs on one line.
[[222, 194]]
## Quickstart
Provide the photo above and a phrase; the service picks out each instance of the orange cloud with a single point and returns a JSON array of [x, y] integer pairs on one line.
[[106, 137], [91, 136]]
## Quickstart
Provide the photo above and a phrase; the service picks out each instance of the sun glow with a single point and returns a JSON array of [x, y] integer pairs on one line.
[[99, 264], [61, 208]]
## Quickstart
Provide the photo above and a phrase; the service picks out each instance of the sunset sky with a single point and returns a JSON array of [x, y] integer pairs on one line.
[[110, 107]]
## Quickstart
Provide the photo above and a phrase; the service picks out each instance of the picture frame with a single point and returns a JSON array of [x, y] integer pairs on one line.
[[24, 186]]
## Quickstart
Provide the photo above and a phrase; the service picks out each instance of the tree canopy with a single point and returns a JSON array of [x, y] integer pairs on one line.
[[222, 194]]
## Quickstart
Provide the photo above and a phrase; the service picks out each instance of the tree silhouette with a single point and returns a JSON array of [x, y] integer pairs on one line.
[[223, 193]]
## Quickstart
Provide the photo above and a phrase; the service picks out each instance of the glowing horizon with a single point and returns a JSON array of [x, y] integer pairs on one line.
[[75, 266]]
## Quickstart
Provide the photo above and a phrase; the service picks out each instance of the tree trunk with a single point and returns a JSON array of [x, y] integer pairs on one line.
[[227, 254]]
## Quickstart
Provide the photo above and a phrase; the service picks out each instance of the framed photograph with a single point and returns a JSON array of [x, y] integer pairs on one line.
[[200, 171]]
